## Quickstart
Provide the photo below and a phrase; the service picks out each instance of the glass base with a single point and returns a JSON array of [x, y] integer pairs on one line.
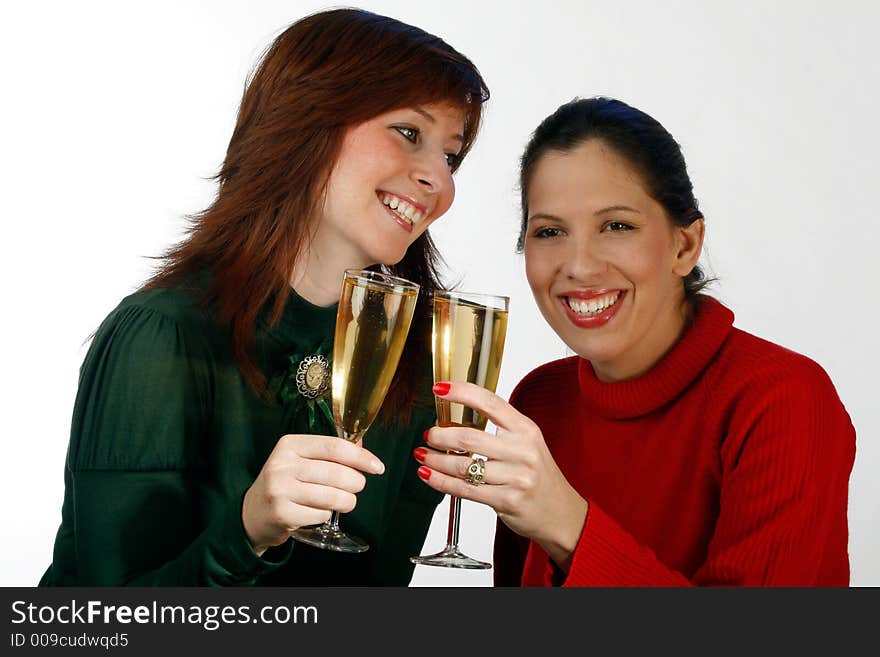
[[451, 557], [328, 538]]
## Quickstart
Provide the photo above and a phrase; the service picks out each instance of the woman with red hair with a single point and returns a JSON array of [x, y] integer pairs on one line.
[[194, 448]]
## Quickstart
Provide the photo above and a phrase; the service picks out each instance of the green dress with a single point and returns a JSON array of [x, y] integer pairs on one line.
[[167, 436]]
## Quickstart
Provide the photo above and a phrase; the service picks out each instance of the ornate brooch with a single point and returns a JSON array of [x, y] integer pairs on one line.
[[306, 385], [313, 376]]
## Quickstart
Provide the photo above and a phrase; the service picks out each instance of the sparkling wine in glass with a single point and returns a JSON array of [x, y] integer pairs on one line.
[[468, 342], [372, 322]]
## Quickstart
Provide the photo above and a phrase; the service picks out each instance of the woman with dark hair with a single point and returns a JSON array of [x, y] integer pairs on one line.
[[195, 446], [674, 449]]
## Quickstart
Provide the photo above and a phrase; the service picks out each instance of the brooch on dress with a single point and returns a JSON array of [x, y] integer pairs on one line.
[[306, 385], [313, 376]]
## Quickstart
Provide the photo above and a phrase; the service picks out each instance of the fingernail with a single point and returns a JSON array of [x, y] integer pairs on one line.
[[378, 466], [424, 473], [441, 388], [425, 435], [419, 453]]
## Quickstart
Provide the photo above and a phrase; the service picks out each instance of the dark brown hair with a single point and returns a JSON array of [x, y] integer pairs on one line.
[[637, 137], [325, 73]]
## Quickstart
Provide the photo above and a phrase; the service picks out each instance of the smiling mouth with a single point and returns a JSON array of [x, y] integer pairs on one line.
[[402, 208], [595, 306]]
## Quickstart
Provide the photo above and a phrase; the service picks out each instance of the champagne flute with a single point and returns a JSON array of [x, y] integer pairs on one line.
[[468, 342], [373, 320]]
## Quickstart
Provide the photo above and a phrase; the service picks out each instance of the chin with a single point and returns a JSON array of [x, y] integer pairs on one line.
[[388, 258], [594, 350]]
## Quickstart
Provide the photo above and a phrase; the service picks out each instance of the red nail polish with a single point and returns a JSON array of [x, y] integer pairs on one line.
[[424, 473], [425, 435], [419, 453], [441, 388]]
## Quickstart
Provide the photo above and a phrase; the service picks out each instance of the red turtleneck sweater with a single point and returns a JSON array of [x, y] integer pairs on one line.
[[726, 464]]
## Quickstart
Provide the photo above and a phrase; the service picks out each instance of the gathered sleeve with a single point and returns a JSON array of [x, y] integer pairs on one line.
[[133, 474]]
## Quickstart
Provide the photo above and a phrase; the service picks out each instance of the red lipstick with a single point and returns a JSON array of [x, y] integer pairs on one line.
[[591, 321]]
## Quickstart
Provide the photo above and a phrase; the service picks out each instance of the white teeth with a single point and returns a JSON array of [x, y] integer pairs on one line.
[[593, 306], [403, 209]]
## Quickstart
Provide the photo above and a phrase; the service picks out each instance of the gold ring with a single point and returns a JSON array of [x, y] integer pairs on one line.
[[476, 470]]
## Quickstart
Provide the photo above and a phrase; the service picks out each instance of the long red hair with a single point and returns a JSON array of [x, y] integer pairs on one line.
[[323, 74]]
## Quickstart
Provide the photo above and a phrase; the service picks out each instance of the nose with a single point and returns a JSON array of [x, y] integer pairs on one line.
[[431, 172], [584, 263]]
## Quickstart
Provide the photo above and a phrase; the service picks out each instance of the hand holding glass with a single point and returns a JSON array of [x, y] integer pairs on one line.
[[373, 320], [468, 342]]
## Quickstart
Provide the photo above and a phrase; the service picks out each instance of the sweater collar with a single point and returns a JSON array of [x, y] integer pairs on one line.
[[664, 382]]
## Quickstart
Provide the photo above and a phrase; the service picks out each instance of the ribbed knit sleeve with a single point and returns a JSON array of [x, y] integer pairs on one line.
[[786, 467], [783, 502]]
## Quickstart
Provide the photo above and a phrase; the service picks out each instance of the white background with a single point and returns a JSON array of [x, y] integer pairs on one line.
[[115, 114]]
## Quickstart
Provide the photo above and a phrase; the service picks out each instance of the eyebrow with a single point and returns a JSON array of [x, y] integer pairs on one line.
[[544, 215], [618, 208], [430, 118], [610, 208]]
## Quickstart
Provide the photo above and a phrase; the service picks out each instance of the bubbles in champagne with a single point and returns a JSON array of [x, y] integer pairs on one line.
[[468, 342], [371, 328]]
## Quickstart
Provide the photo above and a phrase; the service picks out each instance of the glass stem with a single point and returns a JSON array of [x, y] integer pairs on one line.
[[454, 519], [332, 525]]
